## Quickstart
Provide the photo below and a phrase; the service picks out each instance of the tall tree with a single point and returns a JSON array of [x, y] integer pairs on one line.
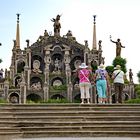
[[138, 75], [120, 61], [0, 60]]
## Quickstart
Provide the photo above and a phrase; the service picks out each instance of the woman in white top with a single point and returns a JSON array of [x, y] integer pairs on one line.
[[118, 77]]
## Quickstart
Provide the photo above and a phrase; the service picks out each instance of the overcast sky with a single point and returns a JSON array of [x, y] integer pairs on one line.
[[118, 18]]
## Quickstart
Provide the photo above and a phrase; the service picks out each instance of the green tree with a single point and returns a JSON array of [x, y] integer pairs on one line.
[[110, 70], [138, 75], [120, 61]]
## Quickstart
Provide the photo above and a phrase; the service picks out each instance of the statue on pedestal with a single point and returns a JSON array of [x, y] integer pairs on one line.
[[130, 76], [118, 46], [56, 25]]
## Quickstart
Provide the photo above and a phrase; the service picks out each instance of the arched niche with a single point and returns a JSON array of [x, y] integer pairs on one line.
[[75, 62], [57, 63], [57, 96], [33, 97], [36, 84], [75, 82], [18, 79], [14, 98], [37, 63], [57, 48], [57, 81], [20, 66]]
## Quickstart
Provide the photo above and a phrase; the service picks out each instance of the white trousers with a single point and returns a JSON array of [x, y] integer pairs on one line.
[[84, 89]]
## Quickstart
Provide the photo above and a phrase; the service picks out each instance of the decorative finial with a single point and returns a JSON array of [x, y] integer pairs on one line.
[[18, 17], [94, 16], [14, 41], [86, 43], [27, 40], [100, 46]]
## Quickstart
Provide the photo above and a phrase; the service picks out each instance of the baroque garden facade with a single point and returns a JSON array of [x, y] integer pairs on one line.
[[46, 69]]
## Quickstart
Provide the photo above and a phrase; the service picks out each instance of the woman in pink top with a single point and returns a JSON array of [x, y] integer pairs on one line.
[[84, 82]]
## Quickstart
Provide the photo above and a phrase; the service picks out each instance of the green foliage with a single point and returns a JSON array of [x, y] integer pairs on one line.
[[59, 88], [110, 70], [133, 101], [56, 101], [137, 88], [120, 61], [0, 60], [126, 81], [62, 74], [94, 67], [77, 100], [2, 101], [138, 93], [138, 75], [30, 102], [12, 87]]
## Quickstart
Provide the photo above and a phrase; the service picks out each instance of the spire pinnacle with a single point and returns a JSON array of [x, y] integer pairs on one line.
[[18, 33], [94, 46]]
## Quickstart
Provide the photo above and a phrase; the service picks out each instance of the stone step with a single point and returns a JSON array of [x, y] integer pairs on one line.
[[32, 134], [10, 129], [72, 113], [70, 118], [84, 128], [75, 113], [71, 128], [76, 107], [11, 133], [59, 123], [80, 123]]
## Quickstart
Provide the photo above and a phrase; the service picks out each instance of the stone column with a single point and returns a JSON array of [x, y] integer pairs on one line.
[[68, 76], [12, 74], [46, 91], [131, 90], [29, 57], [47, 61], [86, 52], [27, 76], [23, 90], [46, 83], [69, 92], [6, 89]]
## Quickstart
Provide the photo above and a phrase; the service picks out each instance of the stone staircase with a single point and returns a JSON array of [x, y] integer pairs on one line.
[[70, 120]]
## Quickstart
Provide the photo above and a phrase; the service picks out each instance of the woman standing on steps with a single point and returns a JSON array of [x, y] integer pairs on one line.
[[118, 77], [84, 83], [102, 83]]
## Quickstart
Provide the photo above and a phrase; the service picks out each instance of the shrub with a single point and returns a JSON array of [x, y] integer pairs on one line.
[[133, 101], [137, 88], [3, 100], [56, 101], [30, 102]]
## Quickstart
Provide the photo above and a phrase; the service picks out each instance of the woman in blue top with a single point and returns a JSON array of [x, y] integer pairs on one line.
[[101, 76]]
